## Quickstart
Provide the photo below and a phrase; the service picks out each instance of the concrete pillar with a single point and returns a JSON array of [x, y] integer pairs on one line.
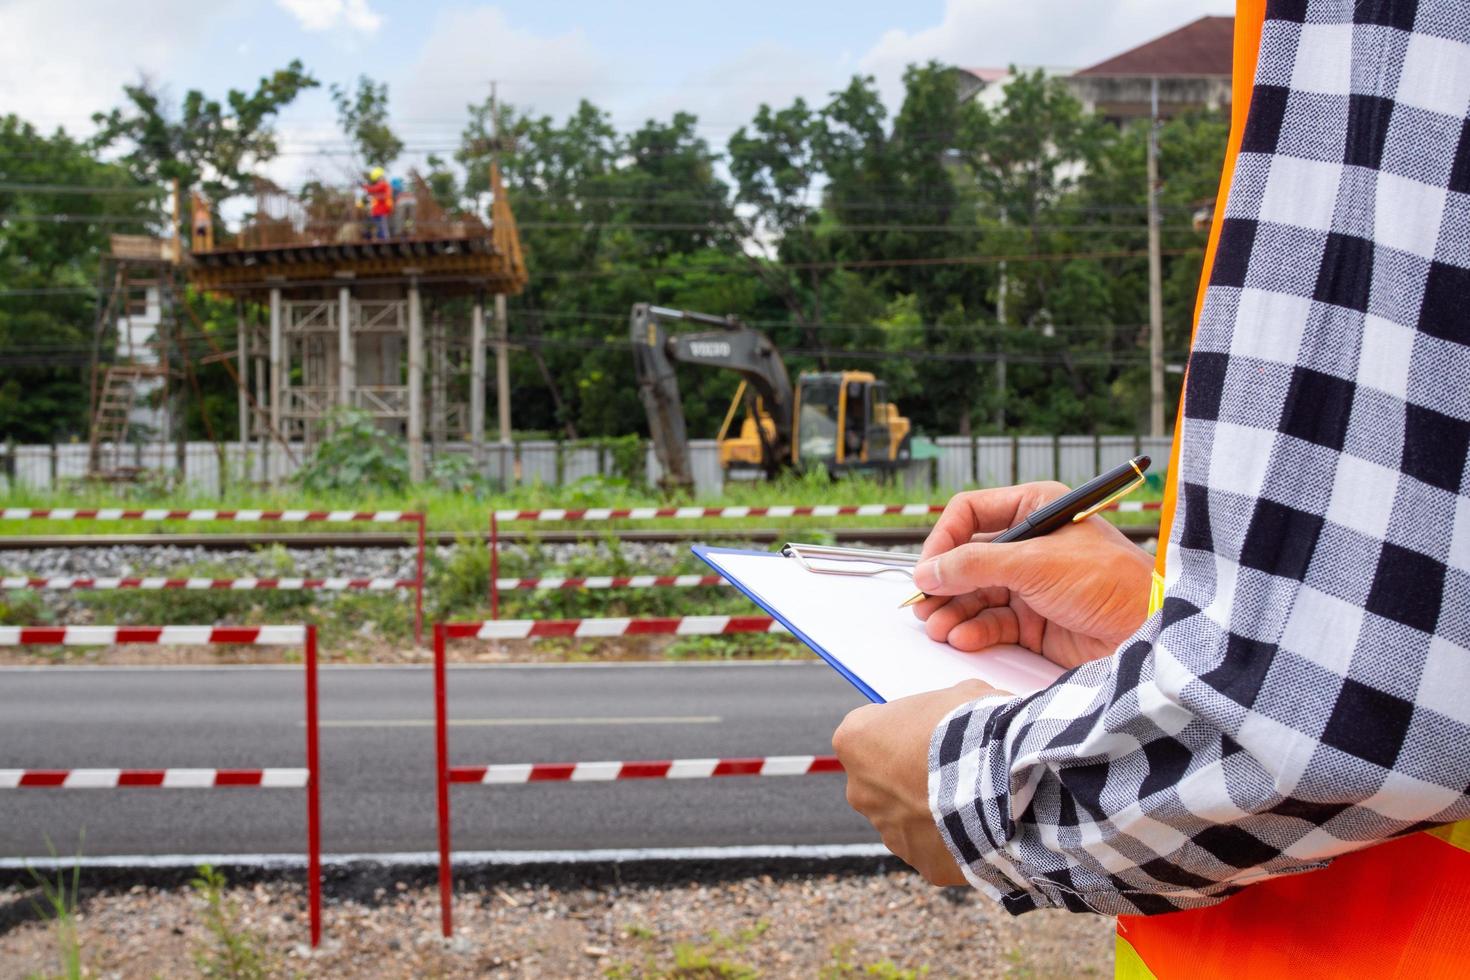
[[242, 366], [477, 380], [277, 381], [502, 369], [1155, 276], [415, 385], [346, 348], [438, 385]]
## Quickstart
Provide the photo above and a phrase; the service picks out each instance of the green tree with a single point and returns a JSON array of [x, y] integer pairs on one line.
[[208, 144], [362, 112], [58, 204], [856, 239]]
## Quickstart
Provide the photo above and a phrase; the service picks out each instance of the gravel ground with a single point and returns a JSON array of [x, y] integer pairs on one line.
[[131, 561], [308, 563], [891, 925]]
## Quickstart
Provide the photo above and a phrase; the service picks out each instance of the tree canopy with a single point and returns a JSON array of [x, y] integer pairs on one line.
[[943, 243]]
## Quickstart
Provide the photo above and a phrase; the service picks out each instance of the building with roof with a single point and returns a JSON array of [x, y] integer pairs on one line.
[[1192, 66]]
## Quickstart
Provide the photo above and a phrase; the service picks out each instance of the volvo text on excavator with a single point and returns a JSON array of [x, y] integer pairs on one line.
[[840, 420]]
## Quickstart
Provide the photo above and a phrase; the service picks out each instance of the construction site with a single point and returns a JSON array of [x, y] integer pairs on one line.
[[330, 316], [840, 603]]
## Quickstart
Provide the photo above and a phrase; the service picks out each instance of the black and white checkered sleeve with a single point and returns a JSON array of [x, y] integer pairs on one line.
[[1305, 690]]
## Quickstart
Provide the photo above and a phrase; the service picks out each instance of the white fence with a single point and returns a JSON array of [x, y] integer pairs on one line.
[[962, 461]]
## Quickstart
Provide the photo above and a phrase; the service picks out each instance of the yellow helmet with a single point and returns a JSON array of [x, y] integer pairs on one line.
[[376, 173]]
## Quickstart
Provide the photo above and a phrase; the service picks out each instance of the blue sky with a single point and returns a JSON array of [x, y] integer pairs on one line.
[[60, 60]]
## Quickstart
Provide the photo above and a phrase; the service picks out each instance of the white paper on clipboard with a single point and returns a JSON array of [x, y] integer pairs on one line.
[[854, 623]]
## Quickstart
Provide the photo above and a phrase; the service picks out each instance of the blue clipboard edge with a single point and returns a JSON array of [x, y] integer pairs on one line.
[[708, 555]]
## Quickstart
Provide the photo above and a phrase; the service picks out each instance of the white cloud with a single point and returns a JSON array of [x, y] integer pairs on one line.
[[326, 15], [468, 48], [726, 94], [1049, 33], [62, 60]]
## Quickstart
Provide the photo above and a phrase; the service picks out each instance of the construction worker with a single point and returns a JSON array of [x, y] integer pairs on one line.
[[381, 193], [1259, 758], [201, 236], [405, 208]]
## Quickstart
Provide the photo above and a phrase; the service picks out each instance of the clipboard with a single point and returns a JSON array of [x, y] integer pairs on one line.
[[853, 623]]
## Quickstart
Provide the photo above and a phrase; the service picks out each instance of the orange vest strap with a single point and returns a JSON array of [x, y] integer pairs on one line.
[[1394, 910], [1250, 15]]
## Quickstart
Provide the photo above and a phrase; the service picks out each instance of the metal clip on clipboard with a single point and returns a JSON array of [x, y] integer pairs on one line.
[[828, 560]]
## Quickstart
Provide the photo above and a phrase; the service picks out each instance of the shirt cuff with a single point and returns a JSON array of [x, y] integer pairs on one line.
[[969, 800]]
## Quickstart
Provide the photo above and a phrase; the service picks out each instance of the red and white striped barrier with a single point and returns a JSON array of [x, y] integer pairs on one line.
[[80, 583], [689, 513], [307, 778], [75, 636], [609, 582], [497, 585], [245, 516], [793, 510], [230, 585], [161, 778], [602, 772], [526, 629], [675, 513], [445, 776]]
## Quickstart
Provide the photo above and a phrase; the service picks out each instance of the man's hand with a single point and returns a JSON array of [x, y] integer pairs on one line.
[[1071, 596], [885, 750]]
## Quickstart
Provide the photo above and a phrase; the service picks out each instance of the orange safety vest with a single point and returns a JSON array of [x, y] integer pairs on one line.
[[1399, 909]]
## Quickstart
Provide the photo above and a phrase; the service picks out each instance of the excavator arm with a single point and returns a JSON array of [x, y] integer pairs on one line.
[[730, 345]]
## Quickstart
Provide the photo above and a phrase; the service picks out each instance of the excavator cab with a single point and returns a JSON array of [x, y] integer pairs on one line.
[[841, 421], [845, 422]]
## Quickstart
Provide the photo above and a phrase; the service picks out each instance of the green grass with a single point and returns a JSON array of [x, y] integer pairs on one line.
[[235, 953], [59, 905], [457, 584], [470, 512]]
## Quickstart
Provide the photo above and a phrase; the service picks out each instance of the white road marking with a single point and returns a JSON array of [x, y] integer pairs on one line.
[[365, 668], [461, 858], [520, 722]]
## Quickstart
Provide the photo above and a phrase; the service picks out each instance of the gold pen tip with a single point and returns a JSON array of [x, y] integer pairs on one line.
[[912, 600]]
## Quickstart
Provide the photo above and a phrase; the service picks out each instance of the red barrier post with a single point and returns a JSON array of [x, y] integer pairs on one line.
[[441, 776], [313, 796], [418, 602], [494, 567], [158, 777]]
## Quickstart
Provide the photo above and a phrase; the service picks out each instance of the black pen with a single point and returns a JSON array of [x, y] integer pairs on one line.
[[1076, 505]]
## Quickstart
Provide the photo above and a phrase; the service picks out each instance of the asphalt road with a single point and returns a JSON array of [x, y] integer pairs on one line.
[[377, 756]]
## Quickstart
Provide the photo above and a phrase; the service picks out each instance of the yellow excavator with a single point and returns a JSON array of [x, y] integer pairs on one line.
[[839, 420]]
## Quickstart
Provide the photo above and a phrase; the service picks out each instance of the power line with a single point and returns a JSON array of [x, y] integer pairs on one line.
[[852, 228], [65, 217], [829, 325], [74, 219], [816, 198], [1080, 357], [938, 261], [97, 189]]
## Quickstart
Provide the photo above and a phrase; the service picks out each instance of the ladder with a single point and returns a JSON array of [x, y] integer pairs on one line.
[[113, 413]]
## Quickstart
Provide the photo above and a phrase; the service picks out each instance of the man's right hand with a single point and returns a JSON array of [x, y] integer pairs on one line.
[[1072, 596]]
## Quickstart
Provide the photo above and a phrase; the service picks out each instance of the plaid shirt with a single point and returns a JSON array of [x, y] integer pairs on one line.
[[1305, 690]]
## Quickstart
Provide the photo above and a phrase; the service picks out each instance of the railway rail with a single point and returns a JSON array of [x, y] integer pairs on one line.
[[376, 539]]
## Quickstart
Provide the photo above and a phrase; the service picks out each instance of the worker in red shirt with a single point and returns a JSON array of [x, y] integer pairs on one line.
[[381, 193]]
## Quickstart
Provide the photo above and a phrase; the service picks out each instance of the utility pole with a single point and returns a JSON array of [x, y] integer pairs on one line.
[[1155, 275], [502, 329], [1000, 342]]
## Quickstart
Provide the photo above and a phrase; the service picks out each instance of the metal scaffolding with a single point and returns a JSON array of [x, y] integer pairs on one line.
[[394, 328]]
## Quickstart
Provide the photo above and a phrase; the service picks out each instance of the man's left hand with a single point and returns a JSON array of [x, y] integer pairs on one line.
[[885, 750]]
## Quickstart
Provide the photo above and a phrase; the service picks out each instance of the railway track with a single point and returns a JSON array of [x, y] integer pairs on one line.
[[377, 539]]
